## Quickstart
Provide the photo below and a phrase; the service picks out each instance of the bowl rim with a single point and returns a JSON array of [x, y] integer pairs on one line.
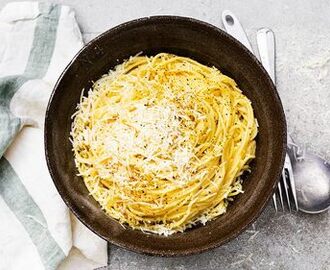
[[193, 250]]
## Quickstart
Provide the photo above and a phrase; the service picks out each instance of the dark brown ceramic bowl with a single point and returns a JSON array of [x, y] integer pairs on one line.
[[210, 46]]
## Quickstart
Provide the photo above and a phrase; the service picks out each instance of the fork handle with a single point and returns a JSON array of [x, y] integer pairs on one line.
[[234, 28]]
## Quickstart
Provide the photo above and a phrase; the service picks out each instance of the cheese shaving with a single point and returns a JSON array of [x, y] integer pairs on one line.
[[162, 142]]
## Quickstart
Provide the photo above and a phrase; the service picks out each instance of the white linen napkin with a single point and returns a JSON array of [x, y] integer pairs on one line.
[[37, 41]]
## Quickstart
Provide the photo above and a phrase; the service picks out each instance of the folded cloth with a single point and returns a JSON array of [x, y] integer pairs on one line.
[[37, 41]]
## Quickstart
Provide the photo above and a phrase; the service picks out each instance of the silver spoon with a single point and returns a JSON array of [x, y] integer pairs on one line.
[[312, 179], [311, 173]]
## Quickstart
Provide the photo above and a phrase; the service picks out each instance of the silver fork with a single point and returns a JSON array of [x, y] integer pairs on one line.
[[286, 183], [266, 47]]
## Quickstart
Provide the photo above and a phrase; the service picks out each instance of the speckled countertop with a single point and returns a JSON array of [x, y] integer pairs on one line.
[[302, 29]]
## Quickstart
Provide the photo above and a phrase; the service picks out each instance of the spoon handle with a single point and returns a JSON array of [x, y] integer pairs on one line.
[[266, 47]]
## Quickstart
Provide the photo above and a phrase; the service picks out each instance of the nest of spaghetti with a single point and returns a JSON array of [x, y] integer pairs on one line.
[[162, 142]]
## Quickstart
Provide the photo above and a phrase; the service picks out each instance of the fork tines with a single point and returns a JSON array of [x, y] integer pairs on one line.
[[287, 187]]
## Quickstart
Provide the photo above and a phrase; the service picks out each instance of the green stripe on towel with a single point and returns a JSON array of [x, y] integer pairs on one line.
[[11, 188], [10, 124], [40, 56], [44, 41], [29, 214]]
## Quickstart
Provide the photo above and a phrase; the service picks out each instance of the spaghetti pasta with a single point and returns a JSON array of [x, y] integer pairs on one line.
[[162, 142]]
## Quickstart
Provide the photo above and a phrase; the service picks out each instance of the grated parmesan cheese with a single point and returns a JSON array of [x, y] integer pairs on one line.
[[161, 142]]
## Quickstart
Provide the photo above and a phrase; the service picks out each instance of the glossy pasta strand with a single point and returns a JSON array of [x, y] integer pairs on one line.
[[161, 142]]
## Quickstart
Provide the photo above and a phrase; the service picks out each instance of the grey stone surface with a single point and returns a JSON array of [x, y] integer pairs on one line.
[[302, 29]]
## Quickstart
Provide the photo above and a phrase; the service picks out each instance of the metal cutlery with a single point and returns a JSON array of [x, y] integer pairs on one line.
[[312, 179], [234, 28], [266, 46]]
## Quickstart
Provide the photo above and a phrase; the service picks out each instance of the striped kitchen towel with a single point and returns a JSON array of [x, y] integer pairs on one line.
[[37, 40]]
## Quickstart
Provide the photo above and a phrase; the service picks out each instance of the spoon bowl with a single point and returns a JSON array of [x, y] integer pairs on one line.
[[312, 179]]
